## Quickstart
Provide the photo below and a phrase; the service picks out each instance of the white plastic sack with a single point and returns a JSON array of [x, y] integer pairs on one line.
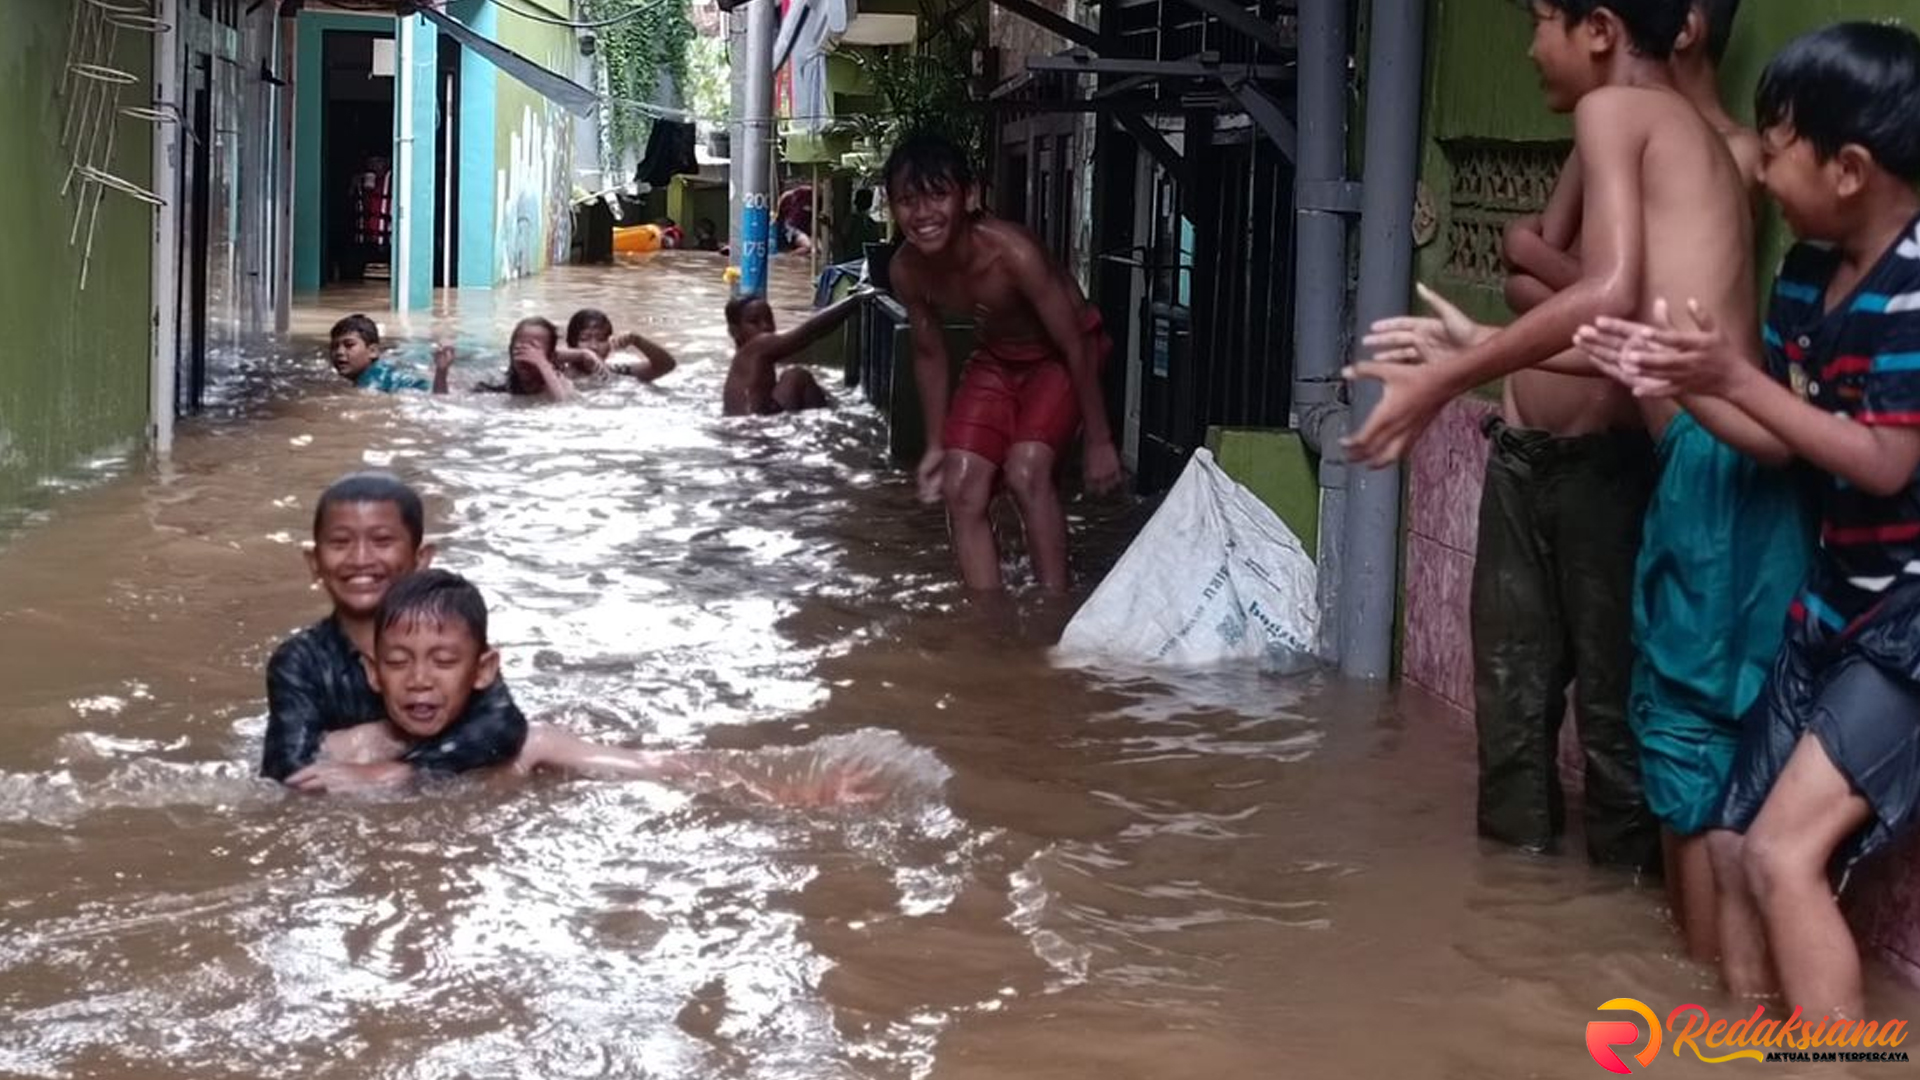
[[1215, 578]]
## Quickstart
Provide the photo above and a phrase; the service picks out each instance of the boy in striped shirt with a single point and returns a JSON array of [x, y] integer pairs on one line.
[[1828, 767]]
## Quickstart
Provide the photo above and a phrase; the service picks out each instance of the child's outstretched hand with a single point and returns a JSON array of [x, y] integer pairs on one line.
[[849, 784], [443, 357], [1664, 359], [928, 476], [1415, 339]]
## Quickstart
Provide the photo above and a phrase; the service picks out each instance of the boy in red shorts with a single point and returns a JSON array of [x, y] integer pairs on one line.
[[1031, 384]]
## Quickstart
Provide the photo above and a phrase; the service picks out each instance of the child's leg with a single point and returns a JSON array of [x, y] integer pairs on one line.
[[1744, 962], [1691, 890], [1030, 479], [797, 389], [1521, 663], [967, 482], [1810, 812]]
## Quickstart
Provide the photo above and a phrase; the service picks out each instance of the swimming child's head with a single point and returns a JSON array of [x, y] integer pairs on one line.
[[1575, 41], [534, 332], [931, 190], [590, 328], [1835, 111], [430, 652], [748, 317], [368, 532], [353, 345]]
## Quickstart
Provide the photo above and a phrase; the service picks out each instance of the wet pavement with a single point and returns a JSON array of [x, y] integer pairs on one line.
[[1080, 874]]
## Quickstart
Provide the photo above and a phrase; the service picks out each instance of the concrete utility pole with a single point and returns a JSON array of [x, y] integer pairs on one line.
[[753, 158]]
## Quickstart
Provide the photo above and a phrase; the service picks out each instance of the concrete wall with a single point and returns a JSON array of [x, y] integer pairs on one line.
[[74, 365], [1484, 112], [533, 155], [415, 212], [479, 91]]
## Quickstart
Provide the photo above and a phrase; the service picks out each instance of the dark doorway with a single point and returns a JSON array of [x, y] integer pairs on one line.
[[356, 159], [195, 198], [446, 168]]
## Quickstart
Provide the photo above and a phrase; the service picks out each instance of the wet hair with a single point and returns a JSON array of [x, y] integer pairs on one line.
[[515, 384], [1855, 83], [586, 319], [1719, 16], [367, 329], [927, 162], [439, 596], [373, 487], [1652, 25], [537, 322], [737, 308]]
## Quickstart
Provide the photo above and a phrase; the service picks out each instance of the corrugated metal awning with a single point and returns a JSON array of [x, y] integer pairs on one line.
[[552, 85]]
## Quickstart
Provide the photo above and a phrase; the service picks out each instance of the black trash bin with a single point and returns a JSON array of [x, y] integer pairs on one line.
[[593, 228]]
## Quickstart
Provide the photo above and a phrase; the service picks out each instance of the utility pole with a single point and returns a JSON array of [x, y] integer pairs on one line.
[[753, 158]]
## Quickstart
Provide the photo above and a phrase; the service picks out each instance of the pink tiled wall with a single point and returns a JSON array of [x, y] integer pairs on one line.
[[1442, 527]]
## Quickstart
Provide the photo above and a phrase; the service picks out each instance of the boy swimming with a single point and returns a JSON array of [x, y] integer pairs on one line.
[[758, 347], [368, 533], [432, 661], [354, 350], [591, 346]]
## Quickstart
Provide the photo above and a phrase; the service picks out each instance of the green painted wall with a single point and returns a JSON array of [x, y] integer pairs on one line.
[[1482, 87], [533, 154], [74, 365]]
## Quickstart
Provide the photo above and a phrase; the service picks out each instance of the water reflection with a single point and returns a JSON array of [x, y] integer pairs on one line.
[[1085, 873]]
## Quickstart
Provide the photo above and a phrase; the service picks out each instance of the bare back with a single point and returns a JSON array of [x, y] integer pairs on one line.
[[1697, 223]]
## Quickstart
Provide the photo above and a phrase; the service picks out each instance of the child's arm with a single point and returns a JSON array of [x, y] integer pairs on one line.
[[1612, 142], [295, 724], [1878, 456], [659, 360], [585, 361], [931, 370], [1616, 347], [549, 747], [555, 384], [1061, 311], [787, 345], [442, 364]]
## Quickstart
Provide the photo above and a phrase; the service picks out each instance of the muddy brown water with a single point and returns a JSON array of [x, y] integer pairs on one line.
[[1083, 874]]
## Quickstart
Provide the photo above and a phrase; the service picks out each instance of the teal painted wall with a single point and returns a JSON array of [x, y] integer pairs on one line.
[[478, 103], [74, 365], [309, 94], [1482, 87], [422, 201]]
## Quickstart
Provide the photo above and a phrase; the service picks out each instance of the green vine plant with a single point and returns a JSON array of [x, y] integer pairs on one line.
[[638, 56]]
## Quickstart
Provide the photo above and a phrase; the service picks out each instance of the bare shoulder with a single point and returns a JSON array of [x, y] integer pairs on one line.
[[1010, 239], [1624, 110], [1745, 146]]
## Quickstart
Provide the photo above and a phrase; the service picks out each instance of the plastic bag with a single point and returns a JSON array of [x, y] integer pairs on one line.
[[1215, 578]]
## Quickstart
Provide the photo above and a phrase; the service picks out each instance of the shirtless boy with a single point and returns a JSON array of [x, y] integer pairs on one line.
[[1032, 382], [758, 347], [1570, 471]]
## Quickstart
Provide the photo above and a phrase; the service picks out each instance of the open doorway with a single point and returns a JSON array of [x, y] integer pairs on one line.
[[356, 157]]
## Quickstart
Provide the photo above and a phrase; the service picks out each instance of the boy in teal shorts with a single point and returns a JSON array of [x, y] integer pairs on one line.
[[1827, 767]]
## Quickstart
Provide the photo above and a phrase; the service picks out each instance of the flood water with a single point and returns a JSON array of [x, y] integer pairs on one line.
[[1080, 875]]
